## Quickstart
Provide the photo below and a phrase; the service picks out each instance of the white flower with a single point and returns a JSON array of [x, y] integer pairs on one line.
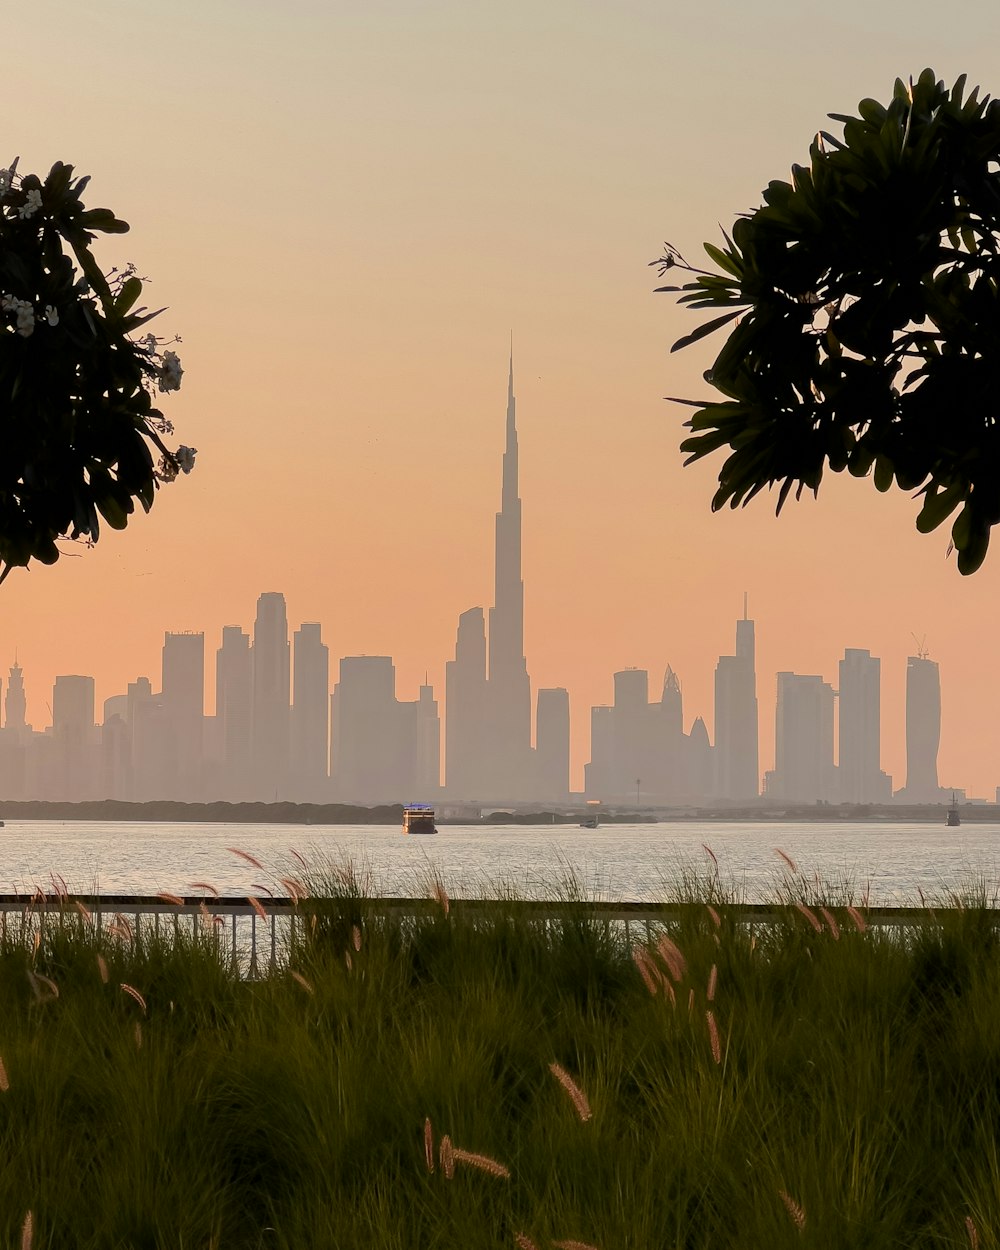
[[166, 470], [51, 316], [31, 205], [23, 313], [170, 373], [185, 458]]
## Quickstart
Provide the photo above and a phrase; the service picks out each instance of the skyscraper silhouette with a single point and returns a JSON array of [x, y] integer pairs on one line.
[[552, 744], [861, 779], [736, 725], [310, 736], [271, 694], [803, 741], [14, 701], [509, 688], [183, 700], [234, 712], [923, 730], [488, 753]]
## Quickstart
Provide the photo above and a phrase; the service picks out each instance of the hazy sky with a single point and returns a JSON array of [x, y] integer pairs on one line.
[[347, 208]]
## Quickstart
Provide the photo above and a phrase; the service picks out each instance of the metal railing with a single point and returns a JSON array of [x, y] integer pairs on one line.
[[260, 933]]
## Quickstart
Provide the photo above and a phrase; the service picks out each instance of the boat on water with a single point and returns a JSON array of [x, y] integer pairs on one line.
[[590, 822], [418, 818], [953, 817]]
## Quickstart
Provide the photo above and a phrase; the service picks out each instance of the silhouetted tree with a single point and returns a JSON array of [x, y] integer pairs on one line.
[[866, 300], [76, 388]]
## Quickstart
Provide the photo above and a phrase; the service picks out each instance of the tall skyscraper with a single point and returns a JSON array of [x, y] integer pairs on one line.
[[803, 741], [552, 744], [375, 737], [736, 718], [488, 752], [859, 767], [465, 705], [923, 730], [310, 723], [509, 688], [271, 696], [74, 739], [234, 712], [14, 702], [183, 700], [427, 781]]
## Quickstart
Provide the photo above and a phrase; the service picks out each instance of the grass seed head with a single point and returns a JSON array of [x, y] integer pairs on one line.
[[574, 1245], [831, 923], [428, 1144], [171, 898], [690, 1000], [258, 907], [102, 968], [671, 955], [576, 1094], [446, 1155], [134, 993], [204, 885], [246, 856], [27, 1231], [481, 1162], [137, 1031], [857, 919], [356, 937], [524, 1242], [300, 979], [647, 969], [713, 1036], [713, 980], [795, 1211], [972, 1232], [84, 911], [810, 916], [4, 1082], [43, 988], [787, 858], [714, 915]]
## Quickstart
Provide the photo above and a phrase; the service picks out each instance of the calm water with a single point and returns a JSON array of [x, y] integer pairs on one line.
[[616, 861]]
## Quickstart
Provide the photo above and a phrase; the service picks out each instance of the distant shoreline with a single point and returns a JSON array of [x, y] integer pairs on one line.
[[168, 811]]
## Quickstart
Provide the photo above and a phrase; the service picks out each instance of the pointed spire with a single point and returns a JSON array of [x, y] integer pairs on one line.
[[745, 616]]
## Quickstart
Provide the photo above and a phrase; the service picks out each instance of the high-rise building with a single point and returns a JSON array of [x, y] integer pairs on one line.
[[637, 750], [427, 780], [374, 740], [310, 716], [271, 696], [923, 730], [488, 752], [465, 708], [183, 699], [552, 744], [736, 718], [509, 753], [74, 740], [803, 744], [234, 713], [14, 702], [859, 767]]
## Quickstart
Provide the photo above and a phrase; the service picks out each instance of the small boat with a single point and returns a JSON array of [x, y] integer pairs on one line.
[[953, 817], [418, 818], [590, 822]]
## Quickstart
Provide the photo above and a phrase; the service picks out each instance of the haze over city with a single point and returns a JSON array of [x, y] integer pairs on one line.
[[347, 209]]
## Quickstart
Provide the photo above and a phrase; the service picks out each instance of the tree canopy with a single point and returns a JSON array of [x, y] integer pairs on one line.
[[77, 383], [864, 297]]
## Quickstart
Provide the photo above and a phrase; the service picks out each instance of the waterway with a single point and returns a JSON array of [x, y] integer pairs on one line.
[[887, 862]]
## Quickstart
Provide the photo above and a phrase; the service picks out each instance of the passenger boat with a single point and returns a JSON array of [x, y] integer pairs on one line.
[[418, 818], [953, 817]]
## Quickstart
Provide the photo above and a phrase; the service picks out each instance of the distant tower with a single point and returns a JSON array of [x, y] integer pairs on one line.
[[428, 732], [923, 729], [310, 717], [74, 738], [509, 688], [552, 744], [736, 718], [14, 702], [234, 712], [859, 768], [183, 700], [271, 695], [803, 747], [465, 709]]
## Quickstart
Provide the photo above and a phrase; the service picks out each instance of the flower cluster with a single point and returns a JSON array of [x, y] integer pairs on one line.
[[24, 314], [170, 373]]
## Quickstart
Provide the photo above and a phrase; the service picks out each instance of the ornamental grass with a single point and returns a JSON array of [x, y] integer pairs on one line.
[[496, 1080]]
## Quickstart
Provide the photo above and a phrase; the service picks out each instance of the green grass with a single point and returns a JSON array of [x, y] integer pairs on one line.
[[855, 1103]]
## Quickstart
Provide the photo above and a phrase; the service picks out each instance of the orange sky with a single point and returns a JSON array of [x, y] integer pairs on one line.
[[347, 206]]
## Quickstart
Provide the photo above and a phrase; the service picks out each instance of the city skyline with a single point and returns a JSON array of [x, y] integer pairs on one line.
[[278, 729], [343, 251]]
